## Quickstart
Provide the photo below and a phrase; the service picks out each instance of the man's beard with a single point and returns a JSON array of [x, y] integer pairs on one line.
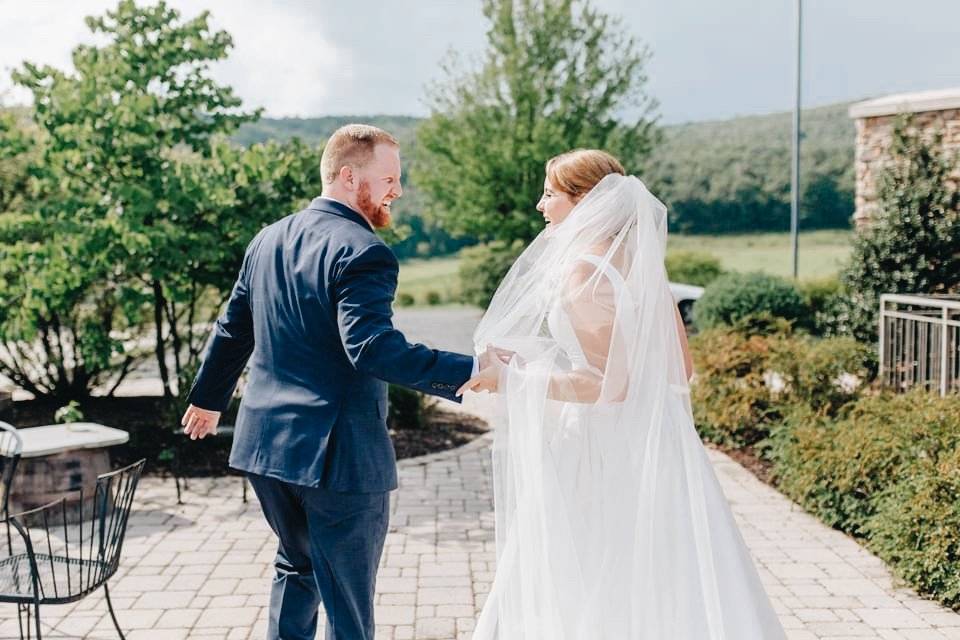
[[376, 213]]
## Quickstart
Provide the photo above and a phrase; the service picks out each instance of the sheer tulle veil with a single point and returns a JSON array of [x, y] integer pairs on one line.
[[609, 520]]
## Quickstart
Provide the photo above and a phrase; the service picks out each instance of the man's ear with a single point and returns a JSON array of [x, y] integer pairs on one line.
[[347, 177]]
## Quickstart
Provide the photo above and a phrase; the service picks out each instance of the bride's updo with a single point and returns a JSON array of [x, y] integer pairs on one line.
[[577, 172]]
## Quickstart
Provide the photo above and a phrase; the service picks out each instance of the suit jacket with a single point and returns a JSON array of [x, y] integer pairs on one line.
[[311, 312]]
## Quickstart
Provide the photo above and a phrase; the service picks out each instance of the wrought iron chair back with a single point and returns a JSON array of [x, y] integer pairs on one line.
[[11, 447], [68, 548]]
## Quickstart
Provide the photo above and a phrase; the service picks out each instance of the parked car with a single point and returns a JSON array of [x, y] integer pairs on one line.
[[685, 295]]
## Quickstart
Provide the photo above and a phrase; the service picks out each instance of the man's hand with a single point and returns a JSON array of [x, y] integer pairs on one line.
[[199, 423], [487, 379]]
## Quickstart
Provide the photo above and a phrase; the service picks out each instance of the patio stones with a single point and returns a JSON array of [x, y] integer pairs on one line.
[[203, 569]]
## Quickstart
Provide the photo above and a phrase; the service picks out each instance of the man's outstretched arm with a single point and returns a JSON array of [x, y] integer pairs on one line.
[[365, 289]]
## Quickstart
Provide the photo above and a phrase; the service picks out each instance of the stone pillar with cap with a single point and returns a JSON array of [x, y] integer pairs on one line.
[[937, 110]]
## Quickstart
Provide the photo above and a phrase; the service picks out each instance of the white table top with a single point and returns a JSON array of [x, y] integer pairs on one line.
[[57, 438]]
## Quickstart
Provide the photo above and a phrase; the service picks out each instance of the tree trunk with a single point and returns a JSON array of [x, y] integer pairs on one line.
[[159, 302]]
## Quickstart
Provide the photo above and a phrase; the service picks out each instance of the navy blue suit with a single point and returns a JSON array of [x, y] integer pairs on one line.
[[311, 315]]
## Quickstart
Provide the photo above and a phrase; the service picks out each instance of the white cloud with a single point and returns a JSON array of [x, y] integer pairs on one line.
[[281, 59], [42, 32], [711, 60]]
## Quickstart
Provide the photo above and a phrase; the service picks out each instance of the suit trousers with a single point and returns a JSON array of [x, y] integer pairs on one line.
[[330, 547]]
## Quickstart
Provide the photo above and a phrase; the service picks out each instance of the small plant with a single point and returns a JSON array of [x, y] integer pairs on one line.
[[841, 469], [70, 412], [408, 409], [405, 300], [434, 298]]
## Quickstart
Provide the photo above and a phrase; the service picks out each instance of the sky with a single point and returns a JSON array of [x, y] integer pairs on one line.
[[711, 60]]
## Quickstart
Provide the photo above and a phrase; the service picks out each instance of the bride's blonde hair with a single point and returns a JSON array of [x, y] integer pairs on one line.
[[577, 172]]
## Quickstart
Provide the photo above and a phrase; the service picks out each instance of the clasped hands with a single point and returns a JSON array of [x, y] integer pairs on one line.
[[491, 362]]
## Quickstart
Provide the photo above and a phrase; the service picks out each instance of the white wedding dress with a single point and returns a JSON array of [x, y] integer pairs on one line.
[[610, 522]]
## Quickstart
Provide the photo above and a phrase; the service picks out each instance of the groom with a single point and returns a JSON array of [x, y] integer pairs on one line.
[[311, 311]]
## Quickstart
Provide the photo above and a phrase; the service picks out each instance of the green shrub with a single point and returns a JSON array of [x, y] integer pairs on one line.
[[824, 299], [732, 403], [482, 267], [753, 374], [736, 296], [692, 267], [916, 527], [840, 469], [405, 300], [408, 409], [818, 293], [433, 298], [824, 374]]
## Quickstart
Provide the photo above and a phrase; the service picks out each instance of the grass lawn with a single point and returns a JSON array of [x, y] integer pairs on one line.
[[821, 254], [418, 277]]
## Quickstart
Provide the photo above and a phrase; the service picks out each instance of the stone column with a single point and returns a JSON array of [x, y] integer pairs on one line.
[[932, 110]]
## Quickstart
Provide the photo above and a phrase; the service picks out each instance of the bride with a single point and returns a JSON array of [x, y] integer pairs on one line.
[[610, 523]]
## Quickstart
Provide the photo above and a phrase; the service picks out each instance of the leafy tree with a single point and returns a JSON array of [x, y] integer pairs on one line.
[[223, 201], [143, 208], [62, 321], [912, 245], [558, 74], [62, 330], [18, 152], [115, 131]]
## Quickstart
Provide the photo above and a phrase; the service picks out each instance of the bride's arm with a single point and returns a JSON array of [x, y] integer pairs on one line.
[[590, 306], [687, 358]]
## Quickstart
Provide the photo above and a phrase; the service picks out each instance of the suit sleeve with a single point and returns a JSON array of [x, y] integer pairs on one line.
[[364, 290], [228, 349]]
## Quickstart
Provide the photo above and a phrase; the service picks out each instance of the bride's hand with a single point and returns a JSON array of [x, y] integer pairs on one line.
[[494, 353], [487, 379]]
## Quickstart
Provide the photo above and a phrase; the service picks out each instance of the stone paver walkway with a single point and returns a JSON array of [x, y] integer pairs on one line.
[[202, 570]]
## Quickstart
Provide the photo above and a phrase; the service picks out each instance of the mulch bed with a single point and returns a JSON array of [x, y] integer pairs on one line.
[[157, 437], [750, 460], [445, 430]]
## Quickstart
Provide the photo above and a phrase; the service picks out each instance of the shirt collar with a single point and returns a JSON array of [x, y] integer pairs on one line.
[[348, 207]]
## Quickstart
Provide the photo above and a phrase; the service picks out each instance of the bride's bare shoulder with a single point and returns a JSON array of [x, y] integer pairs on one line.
[[600, 249]]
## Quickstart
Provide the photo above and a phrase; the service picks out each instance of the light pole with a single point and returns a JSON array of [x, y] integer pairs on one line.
[[795, 177]]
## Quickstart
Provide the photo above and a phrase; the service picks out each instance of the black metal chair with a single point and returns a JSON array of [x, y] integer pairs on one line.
[[67, 549], [11, 446]]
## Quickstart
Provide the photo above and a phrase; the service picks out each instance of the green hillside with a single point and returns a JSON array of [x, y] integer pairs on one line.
[[316, 130], [724, 176], [734, 175]]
